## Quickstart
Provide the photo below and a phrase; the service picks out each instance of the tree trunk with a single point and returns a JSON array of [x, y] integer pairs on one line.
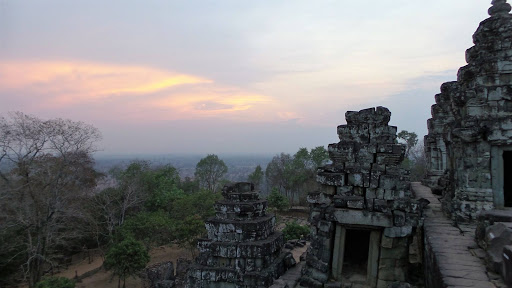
[[119, 282]]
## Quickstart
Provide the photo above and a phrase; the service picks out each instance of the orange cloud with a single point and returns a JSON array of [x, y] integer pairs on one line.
[[135, 91], [210, 102], [71, 82]]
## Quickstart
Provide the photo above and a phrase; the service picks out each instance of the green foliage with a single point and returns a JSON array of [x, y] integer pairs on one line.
[[189, 185], [410, 139], [280, 171], [416, 162], [155, 188], [126, 258], [256, 176], [11, 254], [188, 230], [157, 210], [55, 282], [277, 200], [139, 188], [200, 203], [151, 228], [209, 171], [189, 214], [295, 175], [47, 171], [293, 230], [319, 156], [163, 184]]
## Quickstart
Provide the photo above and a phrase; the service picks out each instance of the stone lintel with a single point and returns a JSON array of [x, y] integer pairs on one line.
[[362, 218], [398, 232]]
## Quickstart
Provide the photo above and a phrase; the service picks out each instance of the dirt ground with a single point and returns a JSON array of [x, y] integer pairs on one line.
[[104, 278]]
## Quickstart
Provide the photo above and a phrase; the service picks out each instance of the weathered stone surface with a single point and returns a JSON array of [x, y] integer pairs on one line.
[[159, 275], [240, 210], [182, 267], [333, 285], [448, 259], [362, 217], [318, 198], [506, 268], [395, 232], [372, 192], [400, 285], [306, 281], [242, 248], [497, 237], [470, 124]]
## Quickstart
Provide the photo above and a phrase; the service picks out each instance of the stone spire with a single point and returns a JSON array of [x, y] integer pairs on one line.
[[499, 7], [242, 249]]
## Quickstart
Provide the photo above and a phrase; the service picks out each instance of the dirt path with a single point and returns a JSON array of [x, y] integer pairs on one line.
[[103, 279]]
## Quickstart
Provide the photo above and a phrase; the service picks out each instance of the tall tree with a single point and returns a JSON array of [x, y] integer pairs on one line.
[[132, 188], [209, 171], [279, 173], [138, 188], [295, 175], [47, 169], [126, 258], [319, 156], [256, 176], [410, 139], [417, 162], [163, 188]]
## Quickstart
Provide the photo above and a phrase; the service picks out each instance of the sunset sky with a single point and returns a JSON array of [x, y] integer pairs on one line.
[[229, 77]]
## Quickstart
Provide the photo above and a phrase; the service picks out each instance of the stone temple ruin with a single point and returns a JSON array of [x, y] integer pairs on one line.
[[242, 249], [469, 142], [363, 219], [365, 226]]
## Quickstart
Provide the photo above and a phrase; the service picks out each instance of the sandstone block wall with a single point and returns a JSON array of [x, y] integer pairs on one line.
[[471, 123], [242, 249], [364, 188]]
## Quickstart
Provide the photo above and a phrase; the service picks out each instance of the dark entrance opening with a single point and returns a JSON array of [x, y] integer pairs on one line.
[[355, 260], [507, 178]]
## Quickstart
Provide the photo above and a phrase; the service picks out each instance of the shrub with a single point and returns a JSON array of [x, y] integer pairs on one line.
[[126, 258], [151, 228], [55, 282], [277, 200], [293, 230]]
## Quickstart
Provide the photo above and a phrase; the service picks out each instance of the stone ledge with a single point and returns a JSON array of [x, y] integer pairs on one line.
[[362, 218]]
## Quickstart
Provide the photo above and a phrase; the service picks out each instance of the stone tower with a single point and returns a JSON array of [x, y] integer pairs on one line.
[[469, 141], [362, 219], [242, 248]]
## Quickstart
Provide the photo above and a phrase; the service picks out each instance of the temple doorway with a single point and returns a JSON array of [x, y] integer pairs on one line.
[[507, 178], [355, 262], [356, 255]]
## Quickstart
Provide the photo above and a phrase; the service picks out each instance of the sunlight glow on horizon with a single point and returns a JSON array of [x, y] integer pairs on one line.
[[189, 71], [210, 101], [66, 84], [74, 81]]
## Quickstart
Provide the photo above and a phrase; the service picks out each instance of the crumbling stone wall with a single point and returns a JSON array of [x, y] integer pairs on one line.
[[160, 275], [471, 123], [242, 248], [364, 188]]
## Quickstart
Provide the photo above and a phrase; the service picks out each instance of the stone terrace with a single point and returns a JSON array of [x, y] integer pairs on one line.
[[452, 257]]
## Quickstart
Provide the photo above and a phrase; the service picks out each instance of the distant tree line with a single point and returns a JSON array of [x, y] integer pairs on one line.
[[51, 208], [294, 175], [54, 204]]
